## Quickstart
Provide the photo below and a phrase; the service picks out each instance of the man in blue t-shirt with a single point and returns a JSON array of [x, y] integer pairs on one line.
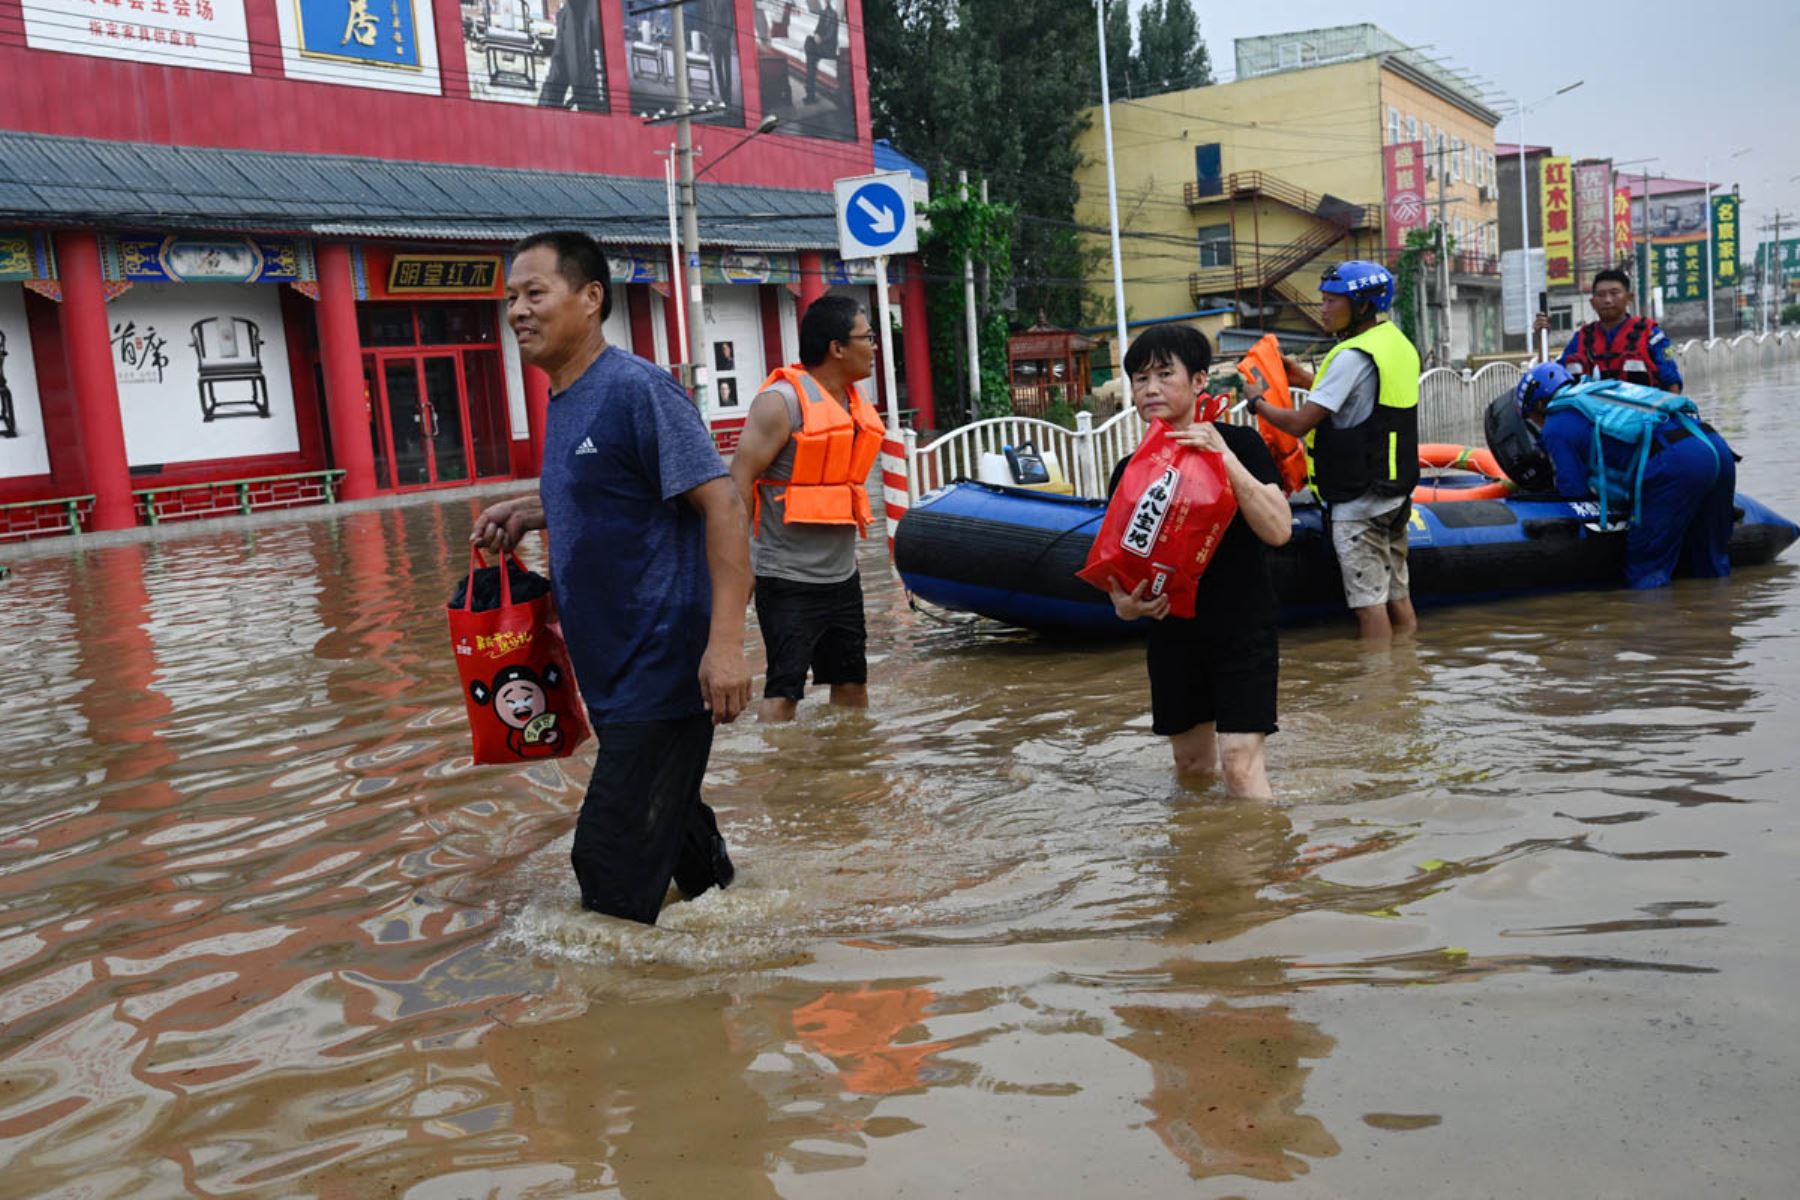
[[650, 565]]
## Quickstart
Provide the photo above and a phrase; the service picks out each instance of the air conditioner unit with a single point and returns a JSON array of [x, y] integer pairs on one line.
[[1489, 192]]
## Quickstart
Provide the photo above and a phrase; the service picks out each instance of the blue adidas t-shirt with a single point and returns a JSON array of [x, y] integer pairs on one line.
[[627, 554]]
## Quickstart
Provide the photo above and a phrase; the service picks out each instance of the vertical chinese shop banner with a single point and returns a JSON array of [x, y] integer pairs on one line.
[[390, 45], [1621, 225], [205, 34], [1725, 241], [1593, 220], [1559, 223], [1403, 164]]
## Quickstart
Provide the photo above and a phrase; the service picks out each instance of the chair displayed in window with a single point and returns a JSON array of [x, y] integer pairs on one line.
[[9, 425], [230, 351]]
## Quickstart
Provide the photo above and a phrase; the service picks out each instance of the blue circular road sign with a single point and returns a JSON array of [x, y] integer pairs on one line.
[[876, 214]]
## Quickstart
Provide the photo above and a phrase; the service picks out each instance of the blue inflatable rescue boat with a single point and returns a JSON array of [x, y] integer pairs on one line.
[[1011, 554]]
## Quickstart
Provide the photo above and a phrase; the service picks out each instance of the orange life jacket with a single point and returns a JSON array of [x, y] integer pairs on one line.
[[834, 451], [1263, 365]]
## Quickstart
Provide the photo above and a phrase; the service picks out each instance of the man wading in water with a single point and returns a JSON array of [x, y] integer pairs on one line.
[[651, 571]]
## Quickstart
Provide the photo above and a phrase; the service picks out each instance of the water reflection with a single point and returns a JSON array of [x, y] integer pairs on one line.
[[265, 931]]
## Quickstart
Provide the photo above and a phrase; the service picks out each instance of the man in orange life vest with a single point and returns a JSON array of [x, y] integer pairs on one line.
[[808, 446], [1618, 345]]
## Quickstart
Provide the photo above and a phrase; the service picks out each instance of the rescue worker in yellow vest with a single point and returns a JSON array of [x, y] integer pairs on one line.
[[808, 446], [1361, 425]]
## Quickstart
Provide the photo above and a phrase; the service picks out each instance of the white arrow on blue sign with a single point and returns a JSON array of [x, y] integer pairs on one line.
[[875, 216]]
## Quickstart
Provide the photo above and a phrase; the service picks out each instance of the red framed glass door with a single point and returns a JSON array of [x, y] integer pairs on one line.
[[421, 419]]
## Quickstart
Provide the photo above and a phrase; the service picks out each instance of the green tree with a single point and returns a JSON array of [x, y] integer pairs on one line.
[[999, 88], [1119, 59], [1170, 55]]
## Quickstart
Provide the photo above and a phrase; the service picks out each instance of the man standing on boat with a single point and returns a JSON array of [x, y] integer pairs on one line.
[[1361, 424], [1213, 677], [809, 443], [648, 564], [1618, 345]]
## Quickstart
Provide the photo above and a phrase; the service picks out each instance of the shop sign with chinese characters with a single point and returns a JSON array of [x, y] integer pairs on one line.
[[1621, 223], [1725, 241], [205, 34], [386, 44], [1559, 224], [1405, 191], [1681, 270], [443, 274], [1593, 219]]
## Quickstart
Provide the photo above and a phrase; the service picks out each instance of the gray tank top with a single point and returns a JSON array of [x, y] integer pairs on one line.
[[797, 553]]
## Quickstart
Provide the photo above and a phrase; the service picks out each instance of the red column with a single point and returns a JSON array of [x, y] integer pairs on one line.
[[917, 334], [812, 280], [340, 356], [537, 412], [87, 340]]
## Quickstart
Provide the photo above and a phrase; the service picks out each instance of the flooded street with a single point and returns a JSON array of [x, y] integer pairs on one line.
[[1519, 924]]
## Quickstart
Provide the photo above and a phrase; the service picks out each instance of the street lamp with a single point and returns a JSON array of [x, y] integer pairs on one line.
[[1112, 194], [769, 122], [1707, 216], [1519, 110]]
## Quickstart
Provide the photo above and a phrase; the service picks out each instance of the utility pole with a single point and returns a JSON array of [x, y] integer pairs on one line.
[[1112, 196], [693, 304], [971, 325], [1441, 343]]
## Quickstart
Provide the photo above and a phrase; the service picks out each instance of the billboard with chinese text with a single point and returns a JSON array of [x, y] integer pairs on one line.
[[1621, 224], [803, 64], [208, 35], [1678, 270], [202, 370], [1593, 220], [715, 76], [1726, 268], [390, 45], [1558, 233], [1403, 168], [542, 52]]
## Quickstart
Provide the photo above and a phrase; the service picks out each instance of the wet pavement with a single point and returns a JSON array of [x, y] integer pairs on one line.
[[1519, 924]]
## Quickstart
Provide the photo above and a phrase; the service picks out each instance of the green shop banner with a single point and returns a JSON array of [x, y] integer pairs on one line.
[[201, 258], [1678, 270], [1726, 268]]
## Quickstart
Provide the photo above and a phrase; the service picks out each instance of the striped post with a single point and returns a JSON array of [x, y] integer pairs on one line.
[[894, 492]]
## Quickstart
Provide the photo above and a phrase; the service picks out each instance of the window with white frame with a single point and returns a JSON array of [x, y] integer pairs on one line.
[[1456, 159], [1412, 129], [1215, 245]]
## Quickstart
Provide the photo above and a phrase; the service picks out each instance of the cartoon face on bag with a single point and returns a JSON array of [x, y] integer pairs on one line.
[[521, 699]]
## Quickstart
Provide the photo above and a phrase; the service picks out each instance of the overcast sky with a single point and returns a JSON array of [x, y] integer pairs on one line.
[[1661, 78]]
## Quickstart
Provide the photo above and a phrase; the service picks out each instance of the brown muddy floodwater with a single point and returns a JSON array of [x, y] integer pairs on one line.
[[1521, 922]]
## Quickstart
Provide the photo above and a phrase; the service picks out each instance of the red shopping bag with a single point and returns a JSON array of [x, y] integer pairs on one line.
[[1165, 522], [517, 683]]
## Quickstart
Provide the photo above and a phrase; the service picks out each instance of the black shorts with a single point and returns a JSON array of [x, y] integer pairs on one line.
[[811, 625], [1200, 675]]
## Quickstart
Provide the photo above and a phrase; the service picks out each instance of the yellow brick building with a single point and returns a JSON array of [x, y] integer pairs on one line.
[[1234, 198]]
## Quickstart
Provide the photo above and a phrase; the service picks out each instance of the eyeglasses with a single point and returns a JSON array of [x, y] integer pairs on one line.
[[868, 337]]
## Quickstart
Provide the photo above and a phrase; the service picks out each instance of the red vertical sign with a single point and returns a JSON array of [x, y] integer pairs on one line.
[[1404, 163], [1621, 225]]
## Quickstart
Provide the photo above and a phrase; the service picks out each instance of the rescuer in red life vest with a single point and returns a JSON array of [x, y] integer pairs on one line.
[[808, 446], [1618, 345]]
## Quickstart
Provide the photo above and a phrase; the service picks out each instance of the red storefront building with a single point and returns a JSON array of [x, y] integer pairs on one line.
[[253, 252]]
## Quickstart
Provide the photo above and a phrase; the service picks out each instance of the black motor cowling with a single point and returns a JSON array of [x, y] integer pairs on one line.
[[1516, 447]]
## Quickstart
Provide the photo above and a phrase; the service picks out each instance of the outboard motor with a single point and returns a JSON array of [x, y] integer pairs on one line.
[[1516, 447]]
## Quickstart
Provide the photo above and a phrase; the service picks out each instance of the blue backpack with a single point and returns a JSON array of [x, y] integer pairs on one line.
[[1628, 413]]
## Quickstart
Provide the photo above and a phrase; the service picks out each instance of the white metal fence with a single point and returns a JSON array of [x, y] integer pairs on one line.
[[1451, 406]]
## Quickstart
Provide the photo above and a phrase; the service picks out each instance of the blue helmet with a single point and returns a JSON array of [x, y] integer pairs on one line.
[[1360, 281], [1540, 383]]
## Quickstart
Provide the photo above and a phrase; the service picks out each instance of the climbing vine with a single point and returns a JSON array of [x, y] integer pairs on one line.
[[963, 225], [1420, 252]]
